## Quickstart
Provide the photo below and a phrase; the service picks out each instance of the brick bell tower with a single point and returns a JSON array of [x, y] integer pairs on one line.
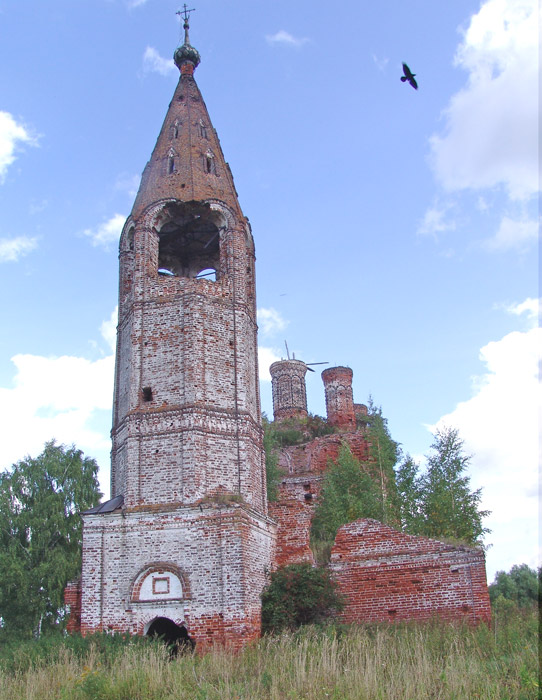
[[185, 539]]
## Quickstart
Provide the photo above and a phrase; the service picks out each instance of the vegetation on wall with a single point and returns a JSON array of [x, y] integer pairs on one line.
[[298, 594], [286, 433], [439, 501], [40, 535], [272, 471], [352, 490], [297, 431], [385, 453], [348, 493]]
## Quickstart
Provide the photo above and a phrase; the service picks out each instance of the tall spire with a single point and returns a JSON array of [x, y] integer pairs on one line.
[[186, 57], [187, 162]]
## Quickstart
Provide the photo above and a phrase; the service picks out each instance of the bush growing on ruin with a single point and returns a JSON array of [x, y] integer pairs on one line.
[[298, 594], [449, 508], [385, 453], [439, 502], [348, 493], [410, 492], [272, 471]]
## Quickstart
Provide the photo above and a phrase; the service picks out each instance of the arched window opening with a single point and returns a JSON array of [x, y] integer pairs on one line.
[[131, 239], [189, 241], [174, 636], [209, 273]]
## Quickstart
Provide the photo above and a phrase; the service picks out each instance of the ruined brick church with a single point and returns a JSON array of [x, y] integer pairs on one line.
[[188, 540]]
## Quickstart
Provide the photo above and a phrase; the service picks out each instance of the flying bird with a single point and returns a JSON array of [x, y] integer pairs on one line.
[[409, 75]]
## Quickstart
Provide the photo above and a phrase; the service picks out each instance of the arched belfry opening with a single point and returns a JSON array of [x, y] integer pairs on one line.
[[173, 635], [189, 240]]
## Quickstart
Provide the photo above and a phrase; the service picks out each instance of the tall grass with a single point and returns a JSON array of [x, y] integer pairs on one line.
[[396, 662]]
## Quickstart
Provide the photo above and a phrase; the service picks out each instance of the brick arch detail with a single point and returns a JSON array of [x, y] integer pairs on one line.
[[129, 227], [148, 569], [150, 217]]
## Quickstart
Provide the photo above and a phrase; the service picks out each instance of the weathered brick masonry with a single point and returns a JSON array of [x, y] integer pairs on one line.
[[384, 574], [187, 537]]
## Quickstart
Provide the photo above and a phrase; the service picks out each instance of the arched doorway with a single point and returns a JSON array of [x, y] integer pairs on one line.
[[174, 636]]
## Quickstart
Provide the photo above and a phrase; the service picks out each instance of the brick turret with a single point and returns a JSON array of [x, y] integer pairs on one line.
[[339, 399], [289, 389]]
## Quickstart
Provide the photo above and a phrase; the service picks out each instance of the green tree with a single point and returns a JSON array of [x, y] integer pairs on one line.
[[272, 471], [410, 495], [40, 534], [385, 453], [449, 508], [348, 493], [520, 585], [298, 594]]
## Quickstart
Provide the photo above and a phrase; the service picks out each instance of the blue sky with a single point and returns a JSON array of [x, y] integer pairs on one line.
[[396, 230]]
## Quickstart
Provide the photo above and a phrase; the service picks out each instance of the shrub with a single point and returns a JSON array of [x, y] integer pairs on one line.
[[520, 585], [297, 595]]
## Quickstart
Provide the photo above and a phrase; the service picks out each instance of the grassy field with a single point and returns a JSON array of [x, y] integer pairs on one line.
[[411, 662]]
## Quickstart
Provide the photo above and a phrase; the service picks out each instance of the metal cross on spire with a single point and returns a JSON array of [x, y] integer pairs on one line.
[[185, 14]]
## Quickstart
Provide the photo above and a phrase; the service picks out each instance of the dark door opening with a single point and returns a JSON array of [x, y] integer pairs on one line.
[[173, 636]]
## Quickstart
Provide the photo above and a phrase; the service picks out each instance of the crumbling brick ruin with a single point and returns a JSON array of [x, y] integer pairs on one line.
[[187, 540], [383, 574]]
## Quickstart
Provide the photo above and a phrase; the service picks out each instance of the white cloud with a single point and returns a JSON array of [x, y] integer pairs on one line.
[[154, 63], [108, 232], [108, 329], [55, 397], [12, 135], [491, 129], [285, 38], [266, 357], [436, 221], [499, 425], [513, 235], [270, 321], [11, 249], [66, 398], [530, 307]]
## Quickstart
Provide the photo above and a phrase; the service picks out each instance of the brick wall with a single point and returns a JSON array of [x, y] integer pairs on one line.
[[72, 598], [220, 553], [303, 466], [387, 575]]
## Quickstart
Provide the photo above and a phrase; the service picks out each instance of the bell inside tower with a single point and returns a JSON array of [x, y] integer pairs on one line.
[[189, 240]]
